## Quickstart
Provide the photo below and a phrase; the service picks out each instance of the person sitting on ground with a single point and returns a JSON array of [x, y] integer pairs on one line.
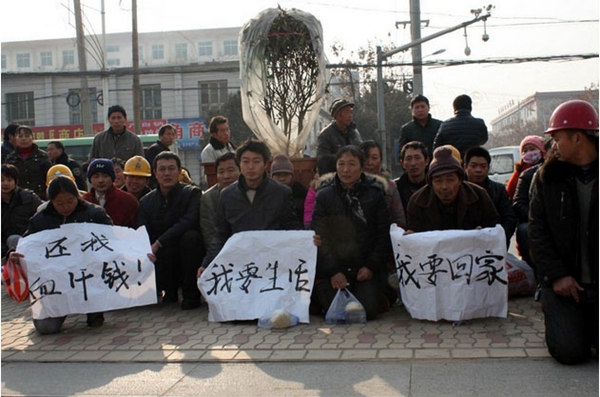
[[352, 219], [282, 170], [448, 201], [171, 215], [65, 206]]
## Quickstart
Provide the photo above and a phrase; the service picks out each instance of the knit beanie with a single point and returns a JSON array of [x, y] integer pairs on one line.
[[101, 165], [281, 163], [444, 163], [534, 140]]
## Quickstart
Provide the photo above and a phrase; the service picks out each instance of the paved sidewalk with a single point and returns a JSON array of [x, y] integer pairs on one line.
[[165, 334]]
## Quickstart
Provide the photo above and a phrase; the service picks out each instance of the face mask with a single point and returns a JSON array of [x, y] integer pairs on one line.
[[532, 157]]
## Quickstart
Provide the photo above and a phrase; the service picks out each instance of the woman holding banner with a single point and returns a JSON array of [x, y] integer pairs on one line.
[[65, 206], [352, 218]]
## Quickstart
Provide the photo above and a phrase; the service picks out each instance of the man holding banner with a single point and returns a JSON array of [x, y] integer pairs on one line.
[[254, 202], [563, 233], [448, 201]]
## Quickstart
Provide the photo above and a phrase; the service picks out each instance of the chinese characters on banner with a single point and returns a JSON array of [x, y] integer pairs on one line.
[[86, 268], [452, 274], [258, 272]]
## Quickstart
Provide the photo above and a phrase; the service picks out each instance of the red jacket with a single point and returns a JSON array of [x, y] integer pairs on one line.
[[121, 206]]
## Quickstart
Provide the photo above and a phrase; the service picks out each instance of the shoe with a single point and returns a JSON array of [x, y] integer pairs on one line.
[[189, 304], [95, 320]]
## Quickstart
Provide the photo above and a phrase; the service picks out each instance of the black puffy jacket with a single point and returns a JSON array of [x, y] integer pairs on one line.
[[17, 212], [348, 244], [32, 170], [462, 131]]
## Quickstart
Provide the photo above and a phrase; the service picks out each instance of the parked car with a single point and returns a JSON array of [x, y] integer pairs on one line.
[[503, 162]]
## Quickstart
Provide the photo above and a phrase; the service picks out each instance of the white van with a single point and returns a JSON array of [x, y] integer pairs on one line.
[[503, 162]]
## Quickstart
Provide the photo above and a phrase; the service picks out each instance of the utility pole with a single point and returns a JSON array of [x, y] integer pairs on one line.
[[105, 98], [137, 116], [415, 34], [84, 94], [381, 56]]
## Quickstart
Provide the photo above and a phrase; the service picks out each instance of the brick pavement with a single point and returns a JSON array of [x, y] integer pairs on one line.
[[164, 333]]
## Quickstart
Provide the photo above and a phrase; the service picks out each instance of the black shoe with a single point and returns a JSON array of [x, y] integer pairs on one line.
[[189, 304], [95, 320]]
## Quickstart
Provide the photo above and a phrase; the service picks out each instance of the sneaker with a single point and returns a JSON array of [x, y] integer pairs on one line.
[[189, 304]]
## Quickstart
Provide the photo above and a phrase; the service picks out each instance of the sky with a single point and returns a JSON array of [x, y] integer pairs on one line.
[[516, 29]]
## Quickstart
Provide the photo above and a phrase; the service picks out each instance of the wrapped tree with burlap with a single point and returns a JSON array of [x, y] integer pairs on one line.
[[282, 71]]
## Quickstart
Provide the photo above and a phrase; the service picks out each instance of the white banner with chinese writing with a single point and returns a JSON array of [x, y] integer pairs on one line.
[[452, 274], [87, 268], [258, 272]]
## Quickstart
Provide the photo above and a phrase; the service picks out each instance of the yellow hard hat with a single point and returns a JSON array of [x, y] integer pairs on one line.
[[137, 165], [455, 153], [56, 170], [184, 177]]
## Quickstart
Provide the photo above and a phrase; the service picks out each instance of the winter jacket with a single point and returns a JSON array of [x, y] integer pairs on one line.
[[414, 131], [84, 212], [107, 145], [511, 184], [474, 207], [271, 209], [508, 218], [208, 213], [121, 206], [521, 197], [168, 218], [554, 223], [16, 214], [331, 139], [462, 131], [7, 149], [349, 243], [32, 170], [75, 169], [406, 189]]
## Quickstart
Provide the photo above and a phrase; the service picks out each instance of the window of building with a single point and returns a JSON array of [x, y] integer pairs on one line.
[[3, 61], [46, 58], [113, 62], [205, 49], [20, 108], [158, 51], [230, 47], [112, 48], [68, 57], [74, 98], [140, 54], [181, 51], [150, 102], [213, 95], [23, 61]]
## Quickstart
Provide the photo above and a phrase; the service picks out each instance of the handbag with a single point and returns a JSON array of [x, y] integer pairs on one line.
[[14, 279], [345, 309]]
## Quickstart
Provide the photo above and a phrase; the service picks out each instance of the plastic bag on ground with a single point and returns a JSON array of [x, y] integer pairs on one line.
[[14, 279], [345, 309], [279, 319]]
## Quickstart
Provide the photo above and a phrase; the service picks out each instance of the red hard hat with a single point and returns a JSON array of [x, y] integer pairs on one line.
[[576, 115]]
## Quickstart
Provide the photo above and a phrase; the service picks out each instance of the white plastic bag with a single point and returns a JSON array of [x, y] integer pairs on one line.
[[345, 309], [279, 319]]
